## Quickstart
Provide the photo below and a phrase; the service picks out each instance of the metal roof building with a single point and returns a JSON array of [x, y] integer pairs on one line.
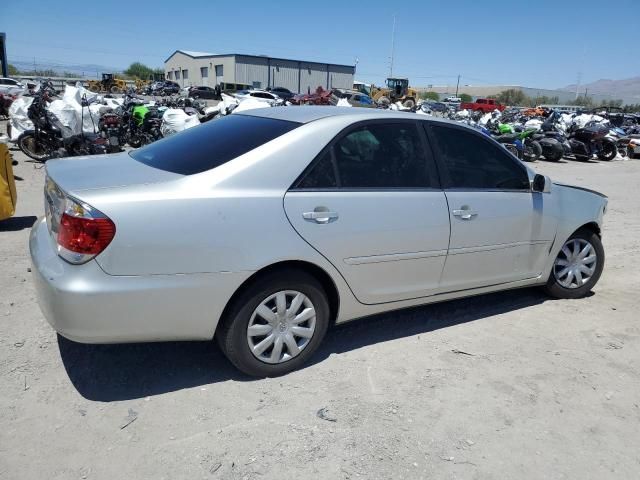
[[201, 68]]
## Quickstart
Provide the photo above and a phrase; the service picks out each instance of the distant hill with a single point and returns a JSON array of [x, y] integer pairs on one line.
[[86, 70], [628, 88]]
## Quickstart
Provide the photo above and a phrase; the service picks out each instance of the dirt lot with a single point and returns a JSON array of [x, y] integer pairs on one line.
[[503, 386]]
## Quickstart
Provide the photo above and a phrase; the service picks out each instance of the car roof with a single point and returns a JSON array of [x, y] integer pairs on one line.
[[306, 114]]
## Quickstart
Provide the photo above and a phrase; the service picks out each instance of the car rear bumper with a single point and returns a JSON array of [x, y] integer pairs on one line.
[[84, 304]]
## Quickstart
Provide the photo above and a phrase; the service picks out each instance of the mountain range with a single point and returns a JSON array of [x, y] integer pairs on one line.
[[625, 88]]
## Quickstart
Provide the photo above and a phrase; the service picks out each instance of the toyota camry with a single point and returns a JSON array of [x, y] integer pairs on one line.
[[264, 228]]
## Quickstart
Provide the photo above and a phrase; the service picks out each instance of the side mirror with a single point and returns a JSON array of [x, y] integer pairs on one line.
[[541, 184]]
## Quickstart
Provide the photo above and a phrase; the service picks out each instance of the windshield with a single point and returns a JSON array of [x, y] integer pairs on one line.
[[211, 144]]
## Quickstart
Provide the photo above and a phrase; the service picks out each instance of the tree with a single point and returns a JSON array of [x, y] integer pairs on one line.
[[512, 96], [429, 96], [465, 97], [13, 70], [138, 70], [582, 101]]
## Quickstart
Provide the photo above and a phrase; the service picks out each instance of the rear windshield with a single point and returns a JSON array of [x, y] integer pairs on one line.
[[211, 144]]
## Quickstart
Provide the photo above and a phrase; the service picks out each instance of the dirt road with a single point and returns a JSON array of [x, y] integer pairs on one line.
[[503, 386]]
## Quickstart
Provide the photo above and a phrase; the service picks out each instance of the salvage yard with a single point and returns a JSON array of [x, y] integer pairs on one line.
[[502, 386]]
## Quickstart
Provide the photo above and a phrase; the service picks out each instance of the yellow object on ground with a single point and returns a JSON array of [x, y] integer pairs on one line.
[[8, 196]]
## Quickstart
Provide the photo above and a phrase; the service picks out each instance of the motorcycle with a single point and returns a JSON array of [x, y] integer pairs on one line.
[[47, 140], [521, 143], [592, 140], [140, 125]]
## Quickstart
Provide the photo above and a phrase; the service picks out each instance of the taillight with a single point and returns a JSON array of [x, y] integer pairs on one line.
[[81, 231]]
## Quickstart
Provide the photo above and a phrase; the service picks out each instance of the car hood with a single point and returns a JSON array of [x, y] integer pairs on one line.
[[77, 174]]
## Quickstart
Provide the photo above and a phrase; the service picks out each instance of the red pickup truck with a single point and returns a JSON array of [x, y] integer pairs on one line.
[[483, 105]]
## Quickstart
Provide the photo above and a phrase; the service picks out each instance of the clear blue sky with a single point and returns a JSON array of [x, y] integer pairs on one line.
[[540, 43]]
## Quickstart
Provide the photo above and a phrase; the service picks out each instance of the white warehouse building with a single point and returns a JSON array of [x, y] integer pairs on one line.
[[189, 68]]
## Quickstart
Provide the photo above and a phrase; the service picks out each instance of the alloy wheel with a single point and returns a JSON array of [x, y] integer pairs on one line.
[[575, 264], [281, 326]]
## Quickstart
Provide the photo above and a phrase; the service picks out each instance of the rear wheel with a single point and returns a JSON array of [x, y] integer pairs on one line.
[[115, 89], [275, 325], [532, 150], [577, 267]]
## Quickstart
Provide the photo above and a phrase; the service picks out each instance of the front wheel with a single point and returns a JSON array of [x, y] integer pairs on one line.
[[34, 148], [275, 325], [409, 103], [577, 267]]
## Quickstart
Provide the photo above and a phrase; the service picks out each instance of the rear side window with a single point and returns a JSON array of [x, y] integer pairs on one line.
[[372, 156], [211, 144], [472, 162]]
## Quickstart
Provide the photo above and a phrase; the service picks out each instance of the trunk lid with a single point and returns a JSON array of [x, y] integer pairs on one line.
[[77, 174]]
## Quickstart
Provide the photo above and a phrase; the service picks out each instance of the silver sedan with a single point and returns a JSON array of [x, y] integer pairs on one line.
[[261, 229]]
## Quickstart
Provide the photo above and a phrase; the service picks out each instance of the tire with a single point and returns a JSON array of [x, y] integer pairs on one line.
[[384, 101], [609, 151], [29, 145], [555, 286], [115, 89], [233, 333], [409, 103], [554, 154], [532, 151]]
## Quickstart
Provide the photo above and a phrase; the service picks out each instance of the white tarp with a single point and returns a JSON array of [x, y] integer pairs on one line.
[[343, 102], [533, 123], [18, 118], [175, 120]]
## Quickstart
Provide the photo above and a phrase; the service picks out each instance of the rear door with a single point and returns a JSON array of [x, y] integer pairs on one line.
[[371, 204], [501, 231]]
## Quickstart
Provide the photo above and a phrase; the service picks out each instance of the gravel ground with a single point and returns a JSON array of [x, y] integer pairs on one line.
[[502, 386]]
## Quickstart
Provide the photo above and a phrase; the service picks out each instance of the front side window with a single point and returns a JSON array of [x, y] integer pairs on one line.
[[473, 162], [177, 74], [185, 74], [373, 156]]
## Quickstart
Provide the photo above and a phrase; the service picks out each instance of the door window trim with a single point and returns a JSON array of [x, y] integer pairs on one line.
[[430, 163], [443, 171]]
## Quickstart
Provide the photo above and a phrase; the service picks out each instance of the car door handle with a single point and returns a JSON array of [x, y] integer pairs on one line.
[[465, 214], [320, 216]]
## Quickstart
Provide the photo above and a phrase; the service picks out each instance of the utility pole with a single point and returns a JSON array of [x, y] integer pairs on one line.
[[393, 40], [457, 85], [578, 84]]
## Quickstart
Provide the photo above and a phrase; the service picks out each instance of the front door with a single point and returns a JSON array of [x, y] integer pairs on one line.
[[500, 230], [370, 203]]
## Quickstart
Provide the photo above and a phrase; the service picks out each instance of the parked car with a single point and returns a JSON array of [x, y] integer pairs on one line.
[[355, 98], [258, 95], [452, 99], [434, 106], [9, 86], [312, 215], [165, 87], [283, 93], [484, 105], [206, 93]]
